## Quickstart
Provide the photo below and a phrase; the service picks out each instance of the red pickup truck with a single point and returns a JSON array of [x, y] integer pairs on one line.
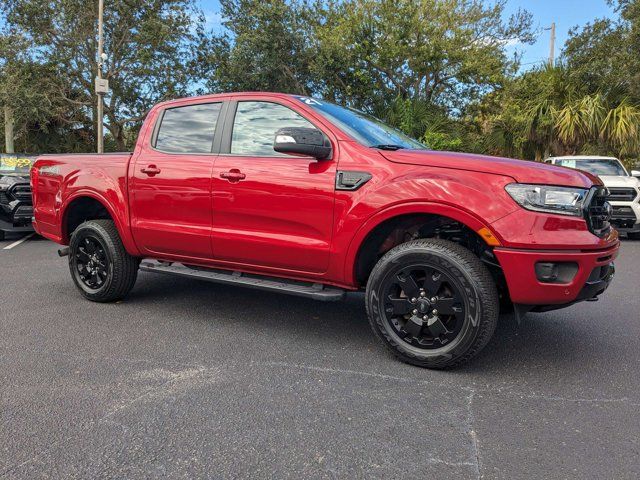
[[298, 195]]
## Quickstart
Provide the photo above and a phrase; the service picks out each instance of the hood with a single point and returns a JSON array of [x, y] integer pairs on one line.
[[11, 178], [619, 181], [522, 171]]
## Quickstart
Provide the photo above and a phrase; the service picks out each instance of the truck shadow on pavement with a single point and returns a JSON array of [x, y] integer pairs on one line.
[[555, 338]]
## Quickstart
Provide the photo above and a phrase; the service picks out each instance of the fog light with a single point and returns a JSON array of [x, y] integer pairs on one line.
[[556, 272], [547, 271]]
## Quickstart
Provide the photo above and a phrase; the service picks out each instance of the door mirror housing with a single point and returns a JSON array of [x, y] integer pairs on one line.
[[635, 173], [302, 141]]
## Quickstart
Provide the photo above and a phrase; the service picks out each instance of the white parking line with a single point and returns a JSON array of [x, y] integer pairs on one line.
[[18, 242]]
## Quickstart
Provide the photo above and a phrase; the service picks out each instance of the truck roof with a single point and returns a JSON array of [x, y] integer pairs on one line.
[[220, 96]]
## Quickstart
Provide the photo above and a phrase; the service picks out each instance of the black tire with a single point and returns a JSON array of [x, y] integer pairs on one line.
[[117, 270], [1, 235], [461, 282], [633, 235]]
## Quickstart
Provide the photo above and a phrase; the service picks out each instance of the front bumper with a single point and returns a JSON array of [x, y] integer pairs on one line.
[[9, 227], [625, 216], [592, 276], [16, 207]]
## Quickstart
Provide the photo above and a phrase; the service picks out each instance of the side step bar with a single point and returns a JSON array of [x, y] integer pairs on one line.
[[316, 291]]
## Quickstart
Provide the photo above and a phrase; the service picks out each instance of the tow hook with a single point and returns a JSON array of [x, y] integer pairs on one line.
[[63, 252]]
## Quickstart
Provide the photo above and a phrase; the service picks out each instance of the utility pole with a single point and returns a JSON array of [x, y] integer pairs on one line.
[[8, 129], [552, 46], [100, 87]]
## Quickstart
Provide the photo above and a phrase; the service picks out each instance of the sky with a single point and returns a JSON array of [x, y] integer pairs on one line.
[[565, 13]]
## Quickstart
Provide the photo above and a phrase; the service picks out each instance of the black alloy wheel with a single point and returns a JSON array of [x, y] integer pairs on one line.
[[100, 266], [424, 306], [432, 303], [92, 265]]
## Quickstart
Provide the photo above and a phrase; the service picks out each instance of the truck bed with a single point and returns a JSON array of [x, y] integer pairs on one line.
[[59, 178]]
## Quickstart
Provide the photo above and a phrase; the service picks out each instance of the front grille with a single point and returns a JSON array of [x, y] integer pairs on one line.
[[21, 192], [621, 194], [24, 211], [598, 212], [622, 212]]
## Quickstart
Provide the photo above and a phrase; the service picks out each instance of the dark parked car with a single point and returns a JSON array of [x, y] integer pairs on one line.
[[16, 208]]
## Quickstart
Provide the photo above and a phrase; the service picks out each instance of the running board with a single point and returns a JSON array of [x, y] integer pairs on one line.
[[316, 291]]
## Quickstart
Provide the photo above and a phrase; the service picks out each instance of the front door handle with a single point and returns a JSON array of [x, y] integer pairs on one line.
[[233, 175], [151, 170]]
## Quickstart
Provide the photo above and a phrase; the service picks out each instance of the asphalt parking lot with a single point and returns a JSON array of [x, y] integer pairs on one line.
[[188, 379]]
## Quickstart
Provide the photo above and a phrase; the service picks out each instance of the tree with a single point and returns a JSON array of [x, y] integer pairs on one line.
[[149, 45], [435, 50], [445, 52], [544, 113], [604, 55], [28, 93], [265, 46]]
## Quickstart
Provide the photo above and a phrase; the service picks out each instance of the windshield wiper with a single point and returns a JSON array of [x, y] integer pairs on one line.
[[387, 146]]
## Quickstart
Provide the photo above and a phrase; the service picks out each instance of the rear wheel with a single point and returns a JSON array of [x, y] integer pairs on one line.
[[100, 266], [432, 302]]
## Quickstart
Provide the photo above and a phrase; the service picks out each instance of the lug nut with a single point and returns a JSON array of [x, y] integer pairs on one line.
[[423, 294], [434, 299], [414, 300], [425, 318], [415, 312], [435, 312]]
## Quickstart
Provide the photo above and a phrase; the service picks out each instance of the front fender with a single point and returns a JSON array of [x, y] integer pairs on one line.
[[471, 198]]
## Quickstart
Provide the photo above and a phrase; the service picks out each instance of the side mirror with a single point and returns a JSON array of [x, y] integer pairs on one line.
[[635, 173], [302, 141]]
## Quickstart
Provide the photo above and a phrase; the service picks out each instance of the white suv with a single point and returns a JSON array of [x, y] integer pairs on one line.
[[624, 188]]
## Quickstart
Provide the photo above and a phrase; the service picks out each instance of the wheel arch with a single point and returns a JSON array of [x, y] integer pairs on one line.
[[89, 205], [377, 228]]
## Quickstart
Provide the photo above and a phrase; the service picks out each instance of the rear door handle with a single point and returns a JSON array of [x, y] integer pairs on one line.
[[233, 175], [151, 170]]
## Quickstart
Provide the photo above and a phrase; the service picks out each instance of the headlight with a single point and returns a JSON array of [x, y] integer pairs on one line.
[[549, 198]]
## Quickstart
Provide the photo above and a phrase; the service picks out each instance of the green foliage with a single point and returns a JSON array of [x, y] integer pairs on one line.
[[436, 69], [149, 47], [443, 52], [264, 47]]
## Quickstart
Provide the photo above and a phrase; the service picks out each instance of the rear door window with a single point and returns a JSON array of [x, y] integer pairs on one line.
[[188, 129]]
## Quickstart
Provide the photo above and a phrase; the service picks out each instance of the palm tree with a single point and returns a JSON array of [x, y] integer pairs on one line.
[[562, 119], [620, 128]]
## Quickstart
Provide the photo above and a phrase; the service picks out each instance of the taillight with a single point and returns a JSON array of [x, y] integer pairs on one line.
[[34, 183]]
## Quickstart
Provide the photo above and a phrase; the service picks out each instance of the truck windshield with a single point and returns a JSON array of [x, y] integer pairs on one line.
[[598, 167], [367, 130], [15, 163]]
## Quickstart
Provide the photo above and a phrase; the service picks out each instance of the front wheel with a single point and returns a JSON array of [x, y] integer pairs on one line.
[[100, 266], [432, 302]]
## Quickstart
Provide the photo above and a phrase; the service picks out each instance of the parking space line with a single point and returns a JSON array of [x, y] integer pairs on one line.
[[18, 242]]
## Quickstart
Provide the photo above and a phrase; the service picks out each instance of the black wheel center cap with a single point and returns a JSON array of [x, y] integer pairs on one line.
[[424, 305]]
